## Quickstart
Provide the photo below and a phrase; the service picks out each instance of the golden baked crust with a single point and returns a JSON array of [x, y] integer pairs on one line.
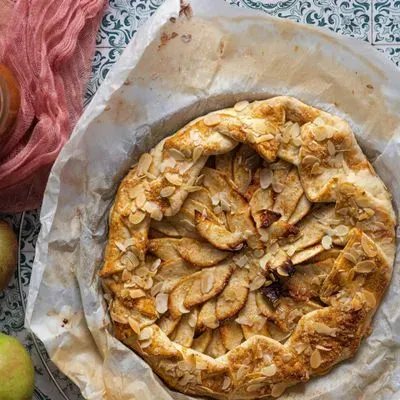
[[249, 251]]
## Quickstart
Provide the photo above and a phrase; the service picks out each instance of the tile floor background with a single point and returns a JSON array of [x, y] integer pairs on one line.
[[374, 21]]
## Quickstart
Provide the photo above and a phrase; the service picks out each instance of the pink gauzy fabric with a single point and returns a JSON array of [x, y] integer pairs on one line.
[[48, 44]]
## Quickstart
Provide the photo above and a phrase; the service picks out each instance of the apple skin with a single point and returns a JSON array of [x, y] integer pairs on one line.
[[17, 375], [8, 254]]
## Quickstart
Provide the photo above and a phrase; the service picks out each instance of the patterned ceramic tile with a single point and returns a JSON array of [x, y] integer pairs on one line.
[[393, 53], [122, 19], [386, 16], [346, 17], [103, 60]]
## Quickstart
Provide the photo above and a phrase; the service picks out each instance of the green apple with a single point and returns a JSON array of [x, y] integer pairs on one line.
[[17, 376]]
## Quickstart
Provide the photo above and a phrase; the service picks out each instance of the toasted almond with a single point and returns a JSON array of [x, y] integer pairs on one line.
[[300, 347], [271, 370], [324, 329], [255, 387], [137, 217], [365, 267], [331, 148], [145, 343], [370, 298], [162, 303], [241, 105], [350, 257], [315, 359], [192, 321], [277, 187], [144, 163], [146, 333], [368, 247], [309, 159], [167, 191], [207, 282], [197, 153], [184, 167], [282, 271], [294, 130], [258, 253], [157, 214], [120, 246], [133, 192], [136, 293], [241, 372], [278, 389], [316, 169], [176, 154], [341, 230], [140, 200], [192, 189], [134, 325], [156, 289], [240, 260], [212, 119], [119, 318], [174, 179], [155, 265], [326, 242], [265, 178], [226, 383], [257, 282], [319, 133]]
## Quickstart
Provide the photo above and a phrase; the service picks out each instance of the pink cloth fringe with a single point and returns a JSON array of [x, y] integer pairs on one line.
[[48, 44]]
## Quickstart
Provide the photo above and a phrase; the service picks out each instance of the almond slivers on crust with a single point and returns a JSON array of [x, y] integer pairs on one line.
[[248, 251]]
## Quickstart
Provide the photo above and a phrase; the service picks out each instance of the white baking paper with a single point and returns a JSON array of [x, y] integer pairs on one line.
[[220, 55]]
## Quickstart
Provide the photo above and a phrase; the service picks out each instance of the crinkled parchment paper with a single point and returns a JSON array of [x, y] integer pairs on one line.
[[218, 56]]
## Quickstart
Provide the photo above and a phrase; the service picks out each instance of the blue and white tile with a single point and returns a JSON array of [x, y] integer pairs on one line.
[[386, 21]]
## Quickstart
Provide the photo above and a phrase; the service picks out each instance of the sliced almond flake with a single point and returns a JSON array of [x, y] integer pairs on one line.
[[226, 383], [263, 138], [315, 359], [264, 261], [126, 275], [207, 282], [145, 343], [146, 333], [258, 253], [156, 288], [162, 303], [240, 260], [277, 187], [326, 242], [255, 387], [300, 347], [386, 240], [350, 257], [215, 199], [282, 271], [291, 250], [297, 141], [140, 200], [225, 205], [129, 242], [331, 148], [278, 389], [144, 163], [310, 159], [148, 283], [265, 178], [368, 248], [341, 230], [192, 189], [294, 130], [168, 163], [370, 298], [134, 325], [319, 347], [133, 192], [287, 357], [155, 265], [137, 217], [157, 214], [324, 329], [136, 293], [192, 321], [197, 153], [120, 246], [243, 320], [174, 179], [176, 154], [257, 282], [270, 370], [241, 372], [212, 119], [365, 267], [319, 133], [241, 105], [132, 258], [119, 318], [182, 309], [167, 191]]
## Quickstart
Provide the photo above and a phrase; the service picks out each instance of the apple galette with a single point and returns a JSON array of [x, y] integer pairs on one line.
[[249, 251]]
